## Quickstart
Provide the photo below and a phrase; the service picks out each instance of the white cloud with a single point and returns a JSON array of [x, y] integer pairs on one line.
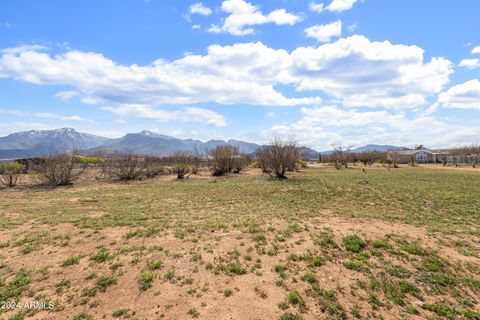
[[326, 126], [189, 114], [316, 7], [470, 63], [324, 32], [243, 15], [354, 70], [462, 96], [360, 72], [196, 26], [334, 6], [199, 8], [341, 5], [476, 50], [66, 95]]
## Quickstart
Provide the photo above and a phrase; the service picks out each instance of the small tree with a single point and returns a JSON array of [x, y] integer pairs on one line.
[[341, 156], [276, 158], [60, 169], [9, 173]]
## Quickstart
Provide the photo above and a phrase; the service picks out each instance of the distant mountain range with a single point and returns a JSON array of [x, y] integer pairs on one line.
[[44, 142]]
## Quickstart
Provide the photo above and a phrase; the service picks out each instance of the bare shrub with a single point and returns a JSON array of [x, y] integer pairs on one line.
[[9, 173], [368, 158], [278, 157], [61, 169], [128, 167], [153, 167], [221, 160], [341, 156], [241, 161], [184, 164]]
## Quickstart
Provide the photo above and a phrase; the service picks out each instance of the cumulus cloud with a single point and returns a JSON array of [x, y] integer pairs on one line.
[[354, 70], [462, 96], [189, 114], [324, 32], [360, 72], [334, 6], [323, 127], [199, 8], [470, 63], [476, 50], [243, 15]]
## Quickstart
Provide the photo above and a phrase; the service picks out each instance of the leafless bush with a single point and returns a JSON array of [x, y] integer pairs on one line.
[[241, 162], [61, 169], [223, 159], [184, 164], [368, 157], [153, 167], [128, 167], [9, 173], [341, 156], [278, 157]]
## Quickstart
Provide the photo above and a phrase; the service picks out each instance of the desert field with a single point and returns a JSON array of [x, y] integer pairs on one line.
[[324, 244]]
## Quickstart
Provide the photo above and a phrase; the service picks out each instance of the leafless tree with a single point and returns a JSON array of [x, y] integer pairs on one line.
[[278, 157], [342, 156], [61, 169], [9, 173]]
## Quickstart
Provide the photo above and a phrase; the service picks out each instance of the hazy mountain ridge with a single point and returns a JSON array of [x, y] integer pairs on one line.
[[44, 142]]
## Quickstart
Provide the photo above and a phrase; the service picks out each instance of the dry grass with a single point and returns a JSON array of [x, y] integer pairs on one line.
[[325, 243]]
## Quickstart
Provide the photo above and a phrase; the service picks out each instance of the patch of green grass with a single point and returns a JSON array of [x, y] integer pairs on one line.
[[310, 278], [236, 269], [102, 255], [295, 299], [155, 264], [193, 313], [442, 310], [123, 312], [145, 280], [15, 288], [290, 316], [353, 265], [354, 243], [227, 293], [83, 316], [70, 261], [104, 282]]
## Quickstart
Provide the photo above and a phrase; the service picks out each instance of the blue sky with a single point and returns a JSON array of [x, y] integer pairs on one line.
[[325, 73]]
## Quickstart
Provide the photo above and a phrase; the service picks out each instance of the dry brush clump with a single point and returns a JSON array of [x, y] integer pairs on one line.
[[278, 158], [61, 169], [126, 167], [368, 158], [184, 164], [9, 173], [153, 167], [226, 159]]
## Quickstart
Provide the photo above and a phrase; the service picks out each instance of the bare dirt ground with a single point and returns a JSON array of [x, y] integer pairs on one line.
[[307, 266]]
